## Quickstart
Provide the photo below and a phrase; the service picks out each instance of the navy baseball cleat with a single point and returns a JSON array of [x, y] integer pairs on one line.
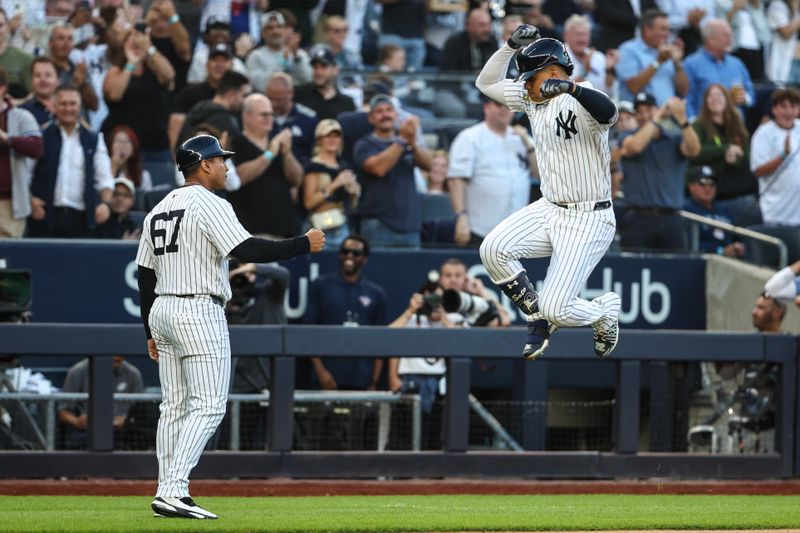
[[538, 338], [185, 507]]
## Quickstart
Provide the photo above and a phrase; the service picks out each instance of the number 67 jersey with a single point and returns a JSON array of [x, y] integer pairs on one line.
[[186, 240]]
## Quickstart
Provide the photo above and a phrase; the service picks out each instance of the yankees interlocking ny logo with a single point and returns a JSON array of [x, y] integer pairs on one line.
[[566, 124]]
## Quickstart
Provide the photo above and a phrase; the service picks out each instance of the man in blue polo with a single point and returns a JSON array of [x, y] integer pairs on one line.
[[654, 164], [346, 298], [299, 119], [390, 207], [713, 64], [651, 64]]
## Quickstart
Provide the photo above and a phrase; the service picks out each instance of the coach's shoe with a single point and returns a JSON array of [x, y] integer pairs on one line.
[[520, 291], [606, 330], [538, 338], [180, 508]]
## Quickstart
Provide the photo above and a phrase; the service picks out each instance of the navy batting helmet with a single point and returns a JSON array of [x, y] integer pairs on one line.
[[197, 149], [540, 54]]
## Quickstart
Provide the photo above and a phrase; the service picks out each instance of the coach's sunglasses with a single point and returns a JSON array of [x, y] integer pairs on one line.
[[350, 251]]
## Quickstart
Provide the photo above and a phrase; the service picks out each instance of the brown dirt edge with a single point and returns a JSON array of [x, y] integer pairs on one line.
[[290, 487]]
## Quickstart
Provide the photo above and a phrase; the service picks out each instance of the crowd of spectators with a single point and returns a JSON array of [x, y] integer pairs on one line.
[[334, 126]]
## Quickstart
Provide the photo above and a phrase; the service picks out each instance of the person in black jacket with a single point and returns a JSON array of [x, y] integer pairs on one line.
[[617, 22], [471, 48], [221, 111]]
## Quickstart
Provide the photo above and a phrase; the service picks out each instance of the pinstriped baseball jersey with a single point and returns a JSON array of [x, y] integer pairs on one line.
[[571, 146], [496, 171], [186, 240]]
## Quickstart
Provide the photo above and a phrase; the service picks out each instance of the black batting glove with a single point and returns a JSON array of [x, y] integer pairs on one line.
[[523, 36], [554, 87]]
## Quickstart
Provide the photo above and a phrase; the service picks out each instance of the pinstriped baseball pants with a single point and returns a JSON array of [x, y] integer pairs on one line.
[[194, 369], [575, 242]]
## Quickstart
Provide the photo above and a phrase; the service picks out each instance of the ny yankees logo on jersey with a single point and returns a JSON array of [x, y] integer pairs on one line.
[[566, 124]]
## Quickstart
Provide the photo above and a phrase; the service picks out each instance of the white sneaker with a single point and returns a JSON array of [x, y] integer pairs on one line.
[[180, 508], [606, 330]]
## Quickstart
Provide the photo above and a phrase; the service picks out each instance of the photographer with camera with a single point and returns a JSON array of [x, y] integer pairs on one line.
[[258, 291], [421, 375], [466, 300]]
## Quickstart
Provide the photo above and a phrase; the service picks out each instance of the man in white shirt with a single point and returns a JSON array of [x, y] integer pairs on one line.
[[590, 65], [72, 183], [489, 174], [278, 54], [775, 160]]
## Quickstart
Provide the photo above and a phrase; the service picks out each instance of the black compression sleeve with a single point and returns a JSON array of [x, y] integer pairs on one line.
[[255, 250], [147, 295], [596, 103]]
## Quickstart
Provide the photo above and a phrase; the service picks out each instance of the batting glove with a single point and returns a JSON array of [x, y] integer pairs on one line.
[[554, 87], [523, 36]]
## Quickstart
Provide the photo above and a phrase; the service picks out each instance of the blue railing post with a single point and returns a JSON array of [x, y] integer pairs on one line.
[[280, 417], [456, 407], [101, 403], [626, 407], [530, 388]]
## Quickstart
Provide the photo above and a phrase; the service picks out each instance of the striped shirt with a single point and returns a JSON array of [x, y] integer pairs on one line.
[[186, 240], [495, 168], [571, 146]]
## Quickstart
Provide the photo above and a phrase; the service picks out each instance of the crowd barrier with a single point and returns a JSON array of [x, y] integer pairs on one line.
[[638, 350]]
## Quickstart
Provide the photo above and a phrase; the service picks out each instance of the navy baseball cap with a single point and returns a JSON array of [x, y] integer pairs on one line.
[[220, 49], [323, 55], [378, 99], [644, 98], [703, 175]]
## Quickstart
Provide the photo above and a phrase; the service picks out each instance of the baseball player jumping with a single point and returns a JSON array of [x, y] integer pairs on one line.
[[183, 283], [573, 222]]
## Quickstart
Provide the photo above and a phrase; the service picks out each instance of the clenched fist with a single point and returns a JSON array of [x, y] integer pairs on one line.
[[316, 240], [554, 87], [523, 36]]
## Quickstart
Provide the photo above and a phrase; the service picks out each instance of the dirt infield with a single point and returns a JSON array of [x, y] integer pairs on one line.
[[289, 487]]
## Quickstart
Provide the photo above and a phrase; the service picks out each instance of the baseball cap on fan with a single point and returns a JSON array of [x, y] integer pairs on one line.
[[703, 175], [379, 99], [323, 56], [625, 106], [127, 183], [644, 98], [220, 49]]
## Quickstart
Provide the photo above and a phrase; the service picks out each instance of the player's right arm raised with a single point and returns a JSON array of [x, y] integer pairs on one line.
[[491, 80]]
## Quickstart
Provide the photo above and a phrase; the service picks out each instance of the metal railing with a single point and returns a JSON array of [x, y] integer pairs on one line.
[[652, 350], [696, 220], [48, 436]]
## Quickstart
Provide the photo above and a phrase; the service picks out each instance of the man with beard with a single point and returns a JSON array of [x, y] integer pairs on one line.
[[346, 298], [390, 208], [321, 94]]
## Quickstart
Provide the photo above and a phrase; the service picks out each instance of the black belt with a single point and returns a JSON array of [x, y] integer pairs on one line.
[[598, 206], [653, 211], [216, 299]]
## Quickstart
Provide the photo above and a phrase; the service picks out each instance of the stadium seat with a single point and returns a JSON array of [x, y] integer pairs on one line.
[[138, 217], [162, 173], [438, 219], [436, 206], [766, 254], [151, 198]]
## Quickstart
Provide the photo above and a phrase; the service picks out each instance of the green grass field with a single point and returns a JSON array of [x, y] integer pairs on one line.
[[406, 513]]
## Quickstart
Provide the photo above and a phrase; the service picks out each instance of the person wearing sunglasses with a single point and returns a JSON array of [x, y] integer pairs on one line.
[[346, 298]]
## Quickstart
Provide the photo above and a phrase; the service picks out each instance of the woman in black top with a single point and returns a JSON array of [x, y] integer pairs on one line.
[[330, 190]]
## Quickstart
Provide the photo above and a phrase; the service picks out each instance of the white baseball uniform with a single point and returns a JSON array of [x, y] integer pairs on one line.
[[566, 223], [186, 240]]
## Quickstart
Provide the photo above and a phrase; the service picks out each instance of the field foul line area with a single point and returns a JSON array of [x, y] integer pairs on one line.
[[289, 487]]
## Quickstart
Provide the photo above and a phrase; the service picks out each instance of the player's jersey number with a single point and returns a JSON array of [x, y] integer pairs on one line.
[[166, 232]]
